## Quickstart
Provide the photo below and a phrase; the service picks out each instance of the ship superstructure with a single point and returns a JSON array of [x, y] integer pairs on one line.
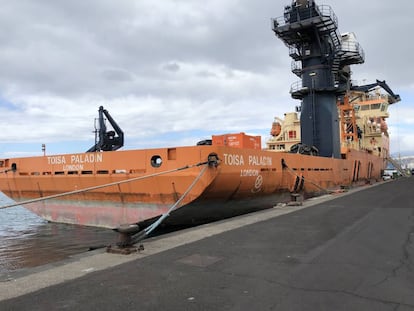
[[362, 114], [285, 133]]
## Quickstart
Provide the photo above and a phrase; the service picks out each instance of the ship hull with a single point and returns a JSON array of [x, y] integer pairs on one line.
[[243, 180]]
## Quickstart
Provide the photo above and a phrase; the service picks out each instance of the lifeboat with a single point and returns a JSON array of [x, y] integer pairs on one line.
[[276, 129]]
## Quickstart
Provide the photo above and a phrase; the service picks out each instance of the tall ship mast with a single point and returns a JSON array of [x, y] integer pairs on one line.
[[335, 113], [321, 58]]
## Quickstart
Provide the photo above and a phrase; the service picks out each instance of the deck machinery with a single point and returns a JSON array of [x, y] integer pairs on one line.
[[321, 58], [107, 140]]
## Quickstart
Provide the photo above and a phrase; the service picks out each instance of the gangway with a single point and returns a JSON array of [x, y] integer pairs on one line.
[[398, 167]]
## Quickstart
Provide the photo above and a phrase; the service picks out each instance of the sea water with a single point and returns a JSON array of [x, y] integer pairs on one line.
[[27, 240]]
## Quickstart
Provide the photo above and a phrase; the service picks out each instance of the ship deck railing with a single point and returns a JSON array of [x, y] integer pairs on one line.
[[324, 11], [351, 53]]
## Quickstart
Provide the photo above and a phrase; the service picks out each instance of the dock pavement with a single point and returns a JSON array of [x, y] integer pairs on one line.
[[352, 251]]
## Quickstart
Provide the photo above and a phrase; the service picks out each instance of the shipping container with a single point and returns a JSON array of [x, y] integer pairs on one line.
[[238, 140]]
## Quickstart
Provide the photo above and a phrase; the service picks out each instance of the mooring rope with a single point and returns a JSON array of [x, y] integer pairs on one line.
[[54, 196], [144, 233]]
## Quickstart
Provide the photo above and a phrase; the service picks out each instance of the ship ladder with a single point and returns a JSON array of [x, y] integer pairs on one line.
[[398, 167]]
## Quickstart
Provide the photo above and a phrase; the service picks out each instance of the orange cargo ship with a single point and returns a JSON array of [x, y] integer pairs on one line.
[[340, 140]]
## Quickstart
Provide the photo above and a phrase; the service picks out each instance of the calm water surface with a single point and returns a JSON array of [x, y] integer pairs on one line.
[[26, 240]]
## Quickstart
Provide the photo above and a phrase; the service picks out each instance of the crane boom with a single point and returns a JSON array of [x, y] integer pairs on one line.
[[368, 87], [107, 140]]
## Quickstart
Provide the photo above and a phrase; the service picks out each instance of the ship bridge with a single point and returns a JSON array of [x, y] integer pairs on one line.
[[321, 58]]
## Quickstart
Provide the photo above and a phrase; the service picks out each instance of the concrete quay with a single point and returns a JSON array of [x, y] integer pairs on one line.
[[352, 251]]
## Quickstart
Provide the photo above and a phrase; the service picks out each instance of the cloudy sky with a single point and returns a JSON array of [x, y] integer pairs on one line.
[[173, 72]]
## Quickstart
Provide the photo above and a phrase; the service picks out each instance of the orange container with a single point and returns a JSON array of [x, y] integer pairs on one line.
[[238, 140]]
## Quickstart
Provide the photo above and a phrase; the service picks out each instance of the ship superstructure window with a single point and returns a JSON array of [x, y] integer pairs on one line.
[[292, 134], [365, 107], [280, 147], [375, 106]]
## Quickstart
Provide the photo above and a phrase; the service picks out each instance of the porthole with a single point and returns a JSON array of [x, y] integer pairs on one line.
[[156, 161]]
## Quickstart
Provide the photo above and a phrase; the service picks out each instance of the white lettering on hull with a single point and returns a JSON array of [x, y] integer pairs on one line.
[[233, 159], [75, 162], [248, 173], [73, 167], [253, 160], [56, 160], [86, 158], [263, 161]]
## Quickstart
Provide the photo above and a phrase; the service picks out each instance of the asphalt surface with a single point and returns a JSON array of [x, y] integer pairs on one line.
[[355, 252]]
